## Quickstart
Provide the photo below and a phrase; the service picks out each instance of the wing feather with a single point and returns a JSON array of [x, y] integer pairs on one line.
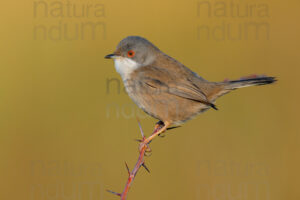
[[163, 81]]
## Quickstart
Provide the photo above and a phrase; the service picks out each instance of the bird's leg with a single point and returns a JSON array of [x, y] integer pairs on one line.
[[160, 124], [156, 132], [148, 151], [157, 126], [159, 131]]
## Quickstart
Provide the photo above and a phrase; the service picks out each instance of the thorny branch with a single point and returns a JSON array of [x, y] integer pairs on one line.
[[140, 163]]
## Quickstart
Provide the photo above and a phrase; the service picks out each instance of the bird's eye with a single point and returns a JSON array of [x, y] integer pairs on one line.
[[130, 53]]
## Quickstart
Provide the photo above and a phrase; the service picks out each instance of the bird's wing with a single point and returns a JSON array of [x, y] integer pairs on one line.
[[165, 81]]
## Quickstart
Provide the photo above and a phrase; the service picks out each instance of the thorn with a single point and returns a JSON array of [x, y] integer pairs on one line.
[[115, 193], [138, 140], [146, 167], [127, 169], [142, 133]]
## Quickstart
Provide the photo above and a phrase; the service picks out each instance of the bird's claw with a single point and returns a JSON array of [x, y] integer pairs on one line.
[[143, 145]]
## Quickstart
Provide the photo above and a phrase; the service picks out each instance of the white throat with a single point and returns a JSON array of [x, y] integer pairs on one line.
[[125, 66]]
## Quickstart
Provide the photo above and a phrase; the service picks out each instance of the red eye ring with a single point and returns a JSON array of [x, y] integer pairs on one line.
[[130, 53]]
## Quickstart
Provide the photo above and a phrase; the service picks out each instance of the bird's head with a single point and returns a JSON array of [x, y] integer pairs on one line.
[[131, 53]]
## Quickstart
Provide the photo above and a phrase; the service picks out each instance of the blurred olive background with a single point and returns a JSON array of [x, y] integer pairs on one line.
[[66, 129]]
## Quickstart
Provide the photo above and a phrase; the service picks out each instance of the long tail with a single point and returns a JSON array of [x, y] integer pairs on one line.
[[246, 82]]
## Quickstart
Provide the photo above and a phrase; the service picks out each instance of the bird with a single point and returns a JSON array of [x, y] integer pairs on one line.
[[166, 89]]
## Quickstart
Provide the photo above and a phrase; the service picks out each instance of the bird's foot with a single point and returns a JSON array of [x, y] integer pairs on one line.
[[145, 146], [144, 142]]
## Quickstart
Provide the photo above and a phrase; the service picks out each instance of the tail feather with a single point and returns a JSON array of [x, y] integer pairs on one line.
[[231, 85]]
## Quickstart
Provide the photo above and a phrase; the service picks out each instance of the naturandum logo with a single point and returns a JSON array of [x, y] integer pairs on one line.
[[232, 20], [68, 21]]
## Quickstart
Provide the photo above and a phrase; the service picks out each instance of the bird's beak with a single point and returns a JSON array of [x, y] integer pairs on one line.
[[110, 56], [114, 55]]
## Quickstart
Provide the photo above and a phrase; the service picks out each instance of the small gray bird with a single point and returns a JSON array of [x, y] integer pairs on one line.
[[166, 89]]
